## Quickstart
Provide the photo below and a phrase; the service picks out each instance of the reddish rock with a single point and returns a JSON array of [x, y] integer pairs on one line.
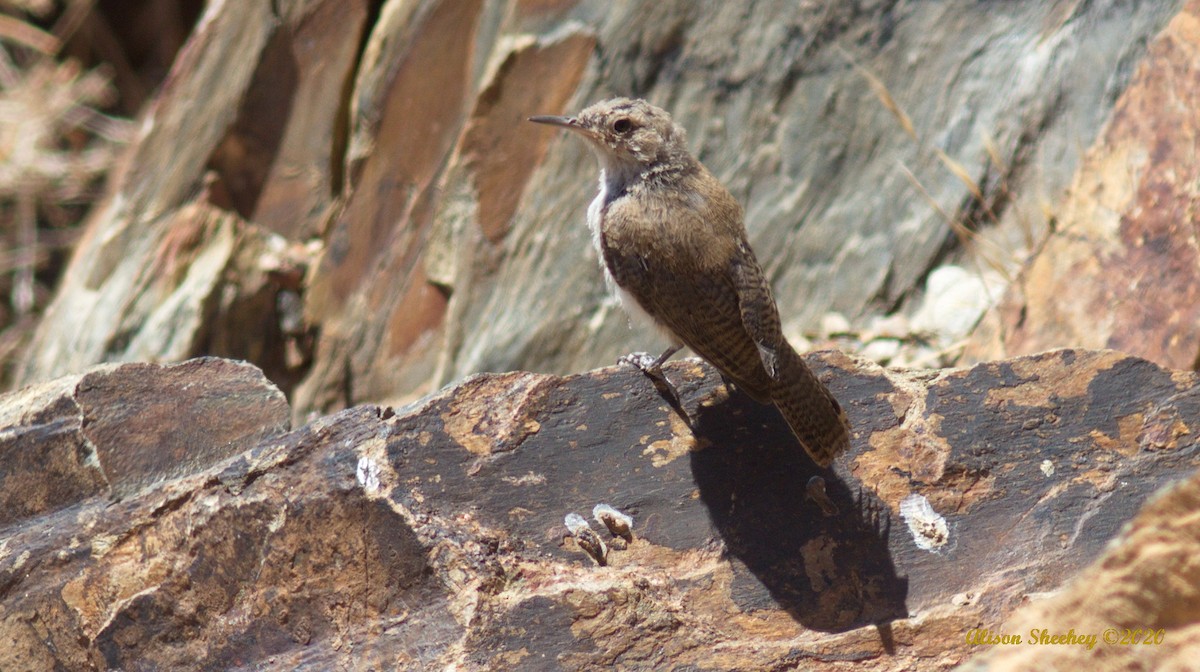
[[1122, 267]]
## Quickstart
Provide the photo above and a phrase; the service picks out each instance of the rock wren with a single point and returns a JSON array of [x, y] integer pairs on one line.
[[673, 246]]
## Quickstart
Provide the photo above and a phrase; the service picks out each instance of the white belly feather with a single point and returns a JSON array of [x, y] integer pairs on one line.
[[630, 304]]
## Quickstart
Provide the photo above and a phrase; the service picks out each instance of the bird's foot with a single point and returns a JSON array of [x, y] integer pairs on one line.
[[651, 366], [730, 387], [815, 489], [644, 362]]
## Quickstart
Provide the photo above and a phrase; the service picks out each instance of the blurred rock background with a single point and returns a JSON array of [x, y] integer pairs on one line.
[[346, 195]]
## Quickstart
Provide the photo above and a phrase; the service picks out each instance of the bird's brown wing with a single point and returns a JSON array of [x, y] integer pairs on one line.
[[719, 303], [816, 418], [712, 326], [759, 314], [687, 286]]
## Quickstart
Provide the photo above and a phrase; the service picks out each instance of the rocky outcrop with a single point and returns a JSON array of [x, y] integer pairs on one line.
[[1136, 607], [117, 429], [433, 535], [345, 193], [1121, 268]]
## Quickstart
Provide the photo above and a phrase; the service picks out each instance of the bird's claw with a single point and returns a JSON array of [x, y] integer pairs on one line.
[[651, 366], [644, 362]]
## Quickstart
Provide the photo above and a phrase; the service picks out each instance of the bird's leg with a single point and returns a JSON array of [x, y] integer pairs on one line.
[[652, 367], [728, 382]]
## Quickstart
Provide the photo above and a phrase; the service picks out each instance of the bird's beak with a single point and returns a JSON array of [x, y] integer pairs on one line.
[[565, 122], [569, 123]]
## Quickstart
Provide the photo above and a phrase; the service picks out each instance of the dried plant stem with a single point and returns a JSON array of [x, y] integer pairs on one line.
[[29, 35], [22, 291]]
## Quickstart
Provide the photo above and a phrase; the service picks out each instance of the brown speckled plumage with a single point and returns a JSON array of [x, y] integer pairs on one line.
[[672, 238]]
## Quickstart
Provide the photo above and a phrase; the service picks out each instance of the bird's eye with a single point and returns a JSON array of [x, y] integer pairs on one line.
[[622, 125]]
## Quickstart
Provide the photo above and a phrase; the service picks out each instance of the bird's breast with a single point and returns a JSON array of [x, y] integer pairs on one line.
[[595, 213], [618, 261]]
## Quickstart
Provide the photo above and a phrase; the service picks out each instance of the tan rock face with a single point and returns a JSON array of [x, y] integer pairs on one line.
[[434, 536], [1135, 607]]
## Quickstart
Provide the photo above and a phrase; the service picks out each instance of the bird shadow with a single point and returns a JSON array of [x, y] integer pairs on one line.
[[830, 570]]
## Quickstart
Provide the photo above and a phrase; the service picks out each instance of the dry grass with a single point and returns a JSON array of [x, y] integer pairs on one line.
[[964, 223], [994, 257], [56, 143]]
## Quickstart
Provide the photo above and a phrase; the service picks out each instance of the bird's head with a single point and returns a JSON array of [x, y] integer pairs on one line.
[[628, 135]]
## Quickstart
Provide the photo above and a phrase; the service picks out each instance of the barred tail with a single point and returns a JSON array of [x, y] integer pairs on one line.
[[816, 418]]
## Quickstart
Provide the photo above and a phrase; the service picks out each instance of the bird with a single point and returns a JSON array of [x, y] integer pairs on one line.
[[673, 247]]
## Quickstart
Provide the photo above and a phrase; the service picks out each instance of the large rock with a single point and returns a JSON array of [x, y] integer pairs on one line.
[[117, 429], [190, 253], [452, 232], [433, 536], [1137, 607], [1122, 267]]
